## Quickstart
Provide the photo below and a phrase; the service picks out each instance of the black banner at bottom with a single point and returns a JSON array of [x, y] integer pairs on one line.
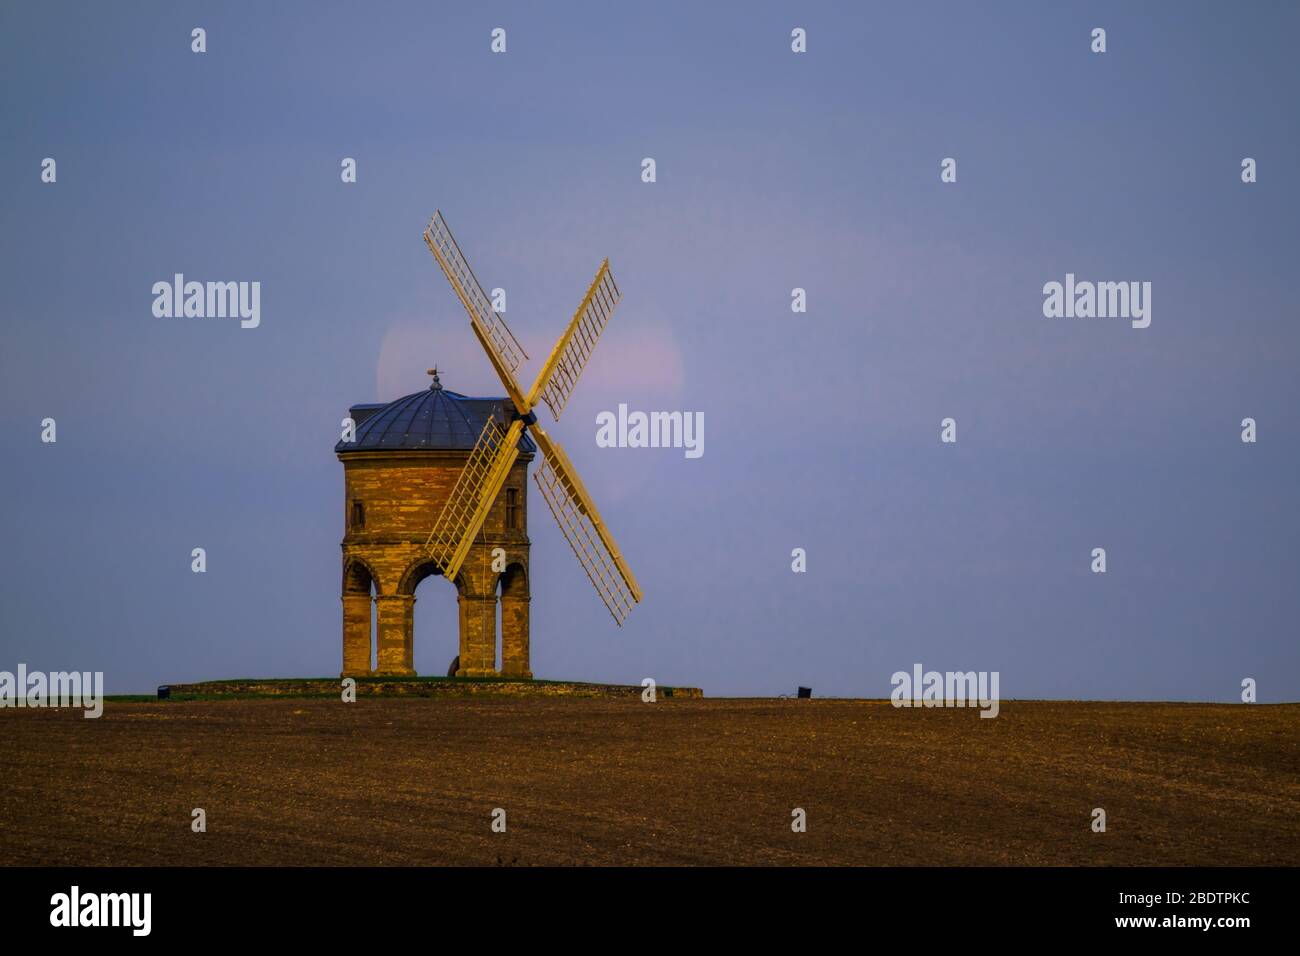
[[315, 904]]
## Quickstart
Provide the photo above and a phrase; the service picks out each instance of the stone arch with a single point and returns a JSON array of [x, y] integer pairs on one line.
[[492, 610], [514, 580], [416, 571], [358, 575], [413, 575]]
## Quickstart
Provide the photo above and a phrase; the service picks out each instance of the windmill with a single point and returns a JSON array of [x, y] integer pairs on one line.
[[495, 451]]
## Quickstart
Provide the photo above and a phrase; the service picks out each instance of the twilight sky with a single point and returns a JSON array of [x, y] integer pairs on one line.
[[775, 170]]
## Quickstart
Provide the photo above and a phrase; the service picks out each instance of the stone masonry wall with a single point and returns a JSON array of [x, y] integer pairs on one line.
[[401, 495]]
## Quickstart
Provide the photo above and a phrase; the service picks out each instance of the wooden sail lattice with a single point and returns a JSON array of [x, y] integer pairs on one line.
[[460, 519], [458, 272], [586, 541], [580, 339]]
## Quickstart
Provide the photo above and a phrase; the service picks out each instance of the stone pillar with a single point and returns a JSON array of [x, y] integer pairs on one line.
[[395, 618], [514, 636], [477, 589], [478, 635], [356, 634]]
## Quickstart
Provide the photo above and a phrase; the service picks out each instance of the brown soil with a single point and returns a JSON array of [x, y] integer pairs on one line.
[[677, 782]]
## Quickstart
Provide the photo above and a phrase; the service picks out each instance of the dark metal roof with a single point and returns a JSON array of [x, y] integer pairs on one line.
[[433, 419]]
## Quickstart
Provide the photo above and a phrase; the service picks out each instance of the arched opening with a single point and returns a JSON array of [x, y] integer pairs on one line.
[[435, 619]]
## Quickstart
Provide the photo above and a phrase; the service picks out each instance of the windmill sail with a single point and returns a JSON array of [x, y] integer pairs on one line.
[[497, 449], [476, 489], [570, 355], [592, 544], [454, 266]]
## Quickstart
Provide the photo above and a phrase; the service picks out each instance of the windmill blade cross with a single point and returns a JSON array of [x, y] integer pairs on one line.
[[496, 451]]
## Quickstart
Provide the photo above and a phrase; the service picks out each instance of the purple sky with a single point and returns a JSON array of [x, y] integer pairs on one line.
[[775, 170]]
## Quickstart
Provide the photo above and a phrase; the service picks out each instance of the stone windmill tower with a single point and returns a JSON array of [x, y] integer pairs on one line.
[[465, 461], [401, 469]]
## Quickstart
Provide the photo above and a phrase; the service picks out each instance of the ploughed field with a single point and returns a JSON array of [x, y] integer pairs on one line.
[[411, 781]]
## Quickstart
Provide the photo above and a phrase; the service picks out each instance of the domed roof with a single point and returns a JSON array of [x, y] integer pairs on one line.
[[433, 419]]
